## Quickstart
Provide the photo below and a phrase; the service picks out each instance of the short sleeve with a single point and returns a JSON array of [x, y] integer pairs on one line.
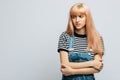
[[63, 43]]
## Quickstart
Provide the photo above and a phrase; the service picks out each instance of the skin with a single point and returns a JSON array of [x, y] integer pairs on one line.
[[79, 22], [88, 67]]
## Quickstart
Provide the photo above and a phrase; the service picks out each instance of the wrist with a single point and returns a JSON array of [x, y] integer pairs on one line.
[[73, 72]]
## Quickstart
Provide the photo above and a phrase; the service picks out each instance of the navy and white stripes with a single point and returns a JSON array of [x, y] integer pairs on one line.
[[80, 42]]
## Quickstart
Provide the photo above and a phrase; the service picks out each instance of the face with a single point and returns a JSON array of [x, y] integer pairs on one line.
[[79, 21]]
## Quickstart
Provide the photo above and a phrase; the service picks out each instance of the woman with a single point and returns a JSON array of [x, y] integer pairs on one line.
[[80, 46]]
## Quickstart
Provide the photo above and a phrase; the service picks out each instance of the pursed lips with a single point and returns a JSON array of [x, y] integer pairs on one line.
[[78, 23]]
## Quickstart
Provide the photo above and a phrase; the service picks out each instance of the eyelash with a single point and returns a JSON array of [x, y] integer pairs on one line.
[[76, 16]]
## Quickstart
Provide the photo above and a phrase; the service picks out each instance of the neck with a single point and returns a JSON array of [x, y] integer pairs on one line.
[[81, 31]]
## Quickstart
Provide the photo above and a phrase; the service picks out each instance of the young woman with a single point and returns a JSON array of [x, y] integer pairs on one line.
[[80, 46]]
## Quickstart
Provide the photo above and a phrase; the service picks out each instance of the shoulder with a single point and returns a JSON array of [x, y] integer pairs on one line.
[[64, 35]]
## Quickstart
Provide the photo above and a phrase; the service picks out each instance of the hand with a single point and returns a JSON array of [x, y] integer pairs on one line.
[[97, 64], [66, 70]]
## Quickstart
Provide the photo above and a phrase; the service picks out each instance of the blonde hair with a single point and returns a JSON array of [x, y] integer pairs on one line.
[[93, 37]]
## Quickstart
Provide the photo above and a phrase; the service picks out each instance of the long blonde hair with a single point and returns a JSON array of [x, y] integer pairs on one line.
[[93, 37]]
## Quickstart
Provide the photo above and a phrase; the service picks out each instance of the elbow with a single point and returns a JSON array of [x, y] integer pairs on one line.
[[63, 65], [97, 71], [100, 69]]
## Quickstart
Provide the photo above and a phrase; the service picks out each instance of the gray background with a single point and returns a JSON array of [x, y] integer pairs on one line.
[[26, 52]]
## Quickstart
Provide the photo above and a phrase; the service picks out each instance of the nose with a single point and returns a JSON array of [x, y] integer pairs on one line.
[[77, 19]]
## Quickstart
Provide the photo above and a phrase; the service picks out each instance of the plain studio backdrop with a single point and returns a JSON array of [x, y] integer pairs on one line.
[[29, 32]]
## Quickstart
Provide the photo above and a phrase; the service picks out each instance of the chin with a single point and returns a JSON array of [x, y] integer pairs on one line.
[[78, 27]]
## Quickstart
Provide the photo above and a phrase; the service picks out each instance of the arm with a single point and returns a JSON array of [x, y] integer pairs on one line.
[[78, 65], [95, 69], [67, 70], [75, 65]]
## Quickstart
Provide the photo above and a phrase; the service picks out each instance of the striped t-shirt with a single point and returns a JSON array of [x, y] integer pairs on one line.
[[79, 45]]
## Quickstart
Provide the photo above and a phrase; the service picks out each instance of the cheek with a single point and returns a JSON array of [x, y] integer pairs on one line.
[[84, 21]]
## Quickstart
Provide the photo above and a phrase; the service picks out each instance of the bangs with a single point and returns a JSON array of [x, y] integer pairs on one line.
[[77, 11]]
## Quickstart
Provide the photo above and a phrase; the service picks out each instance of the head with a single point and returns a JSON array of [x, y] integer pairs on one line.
[[79, 13], [80, 17]]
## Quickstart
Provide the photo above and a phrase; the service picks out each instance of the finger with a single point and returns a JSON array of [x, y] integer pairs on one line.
[[102, 64], [62, 70], [63, 66], [100, 60], [97, 69]]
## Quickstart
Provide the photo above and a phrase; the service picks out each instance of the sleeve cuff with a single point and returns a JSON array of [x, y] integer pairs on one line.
[[62, 50]]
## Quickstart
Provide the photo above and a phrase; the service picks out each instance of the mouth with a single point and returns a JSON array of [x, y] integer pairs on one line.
[[78, 24]]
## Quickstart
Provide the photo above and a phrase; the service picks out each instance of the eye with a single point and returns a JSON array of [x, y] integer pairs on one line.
[[73, 16], [81, 16]]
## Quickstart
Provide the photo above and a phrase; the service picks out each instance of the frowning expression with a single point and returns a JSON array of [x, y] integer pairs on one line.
[[78, 21]]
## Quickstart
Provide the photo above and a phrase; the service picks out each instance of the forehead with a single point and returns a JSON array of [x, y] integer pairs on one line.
[[77, 11]]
